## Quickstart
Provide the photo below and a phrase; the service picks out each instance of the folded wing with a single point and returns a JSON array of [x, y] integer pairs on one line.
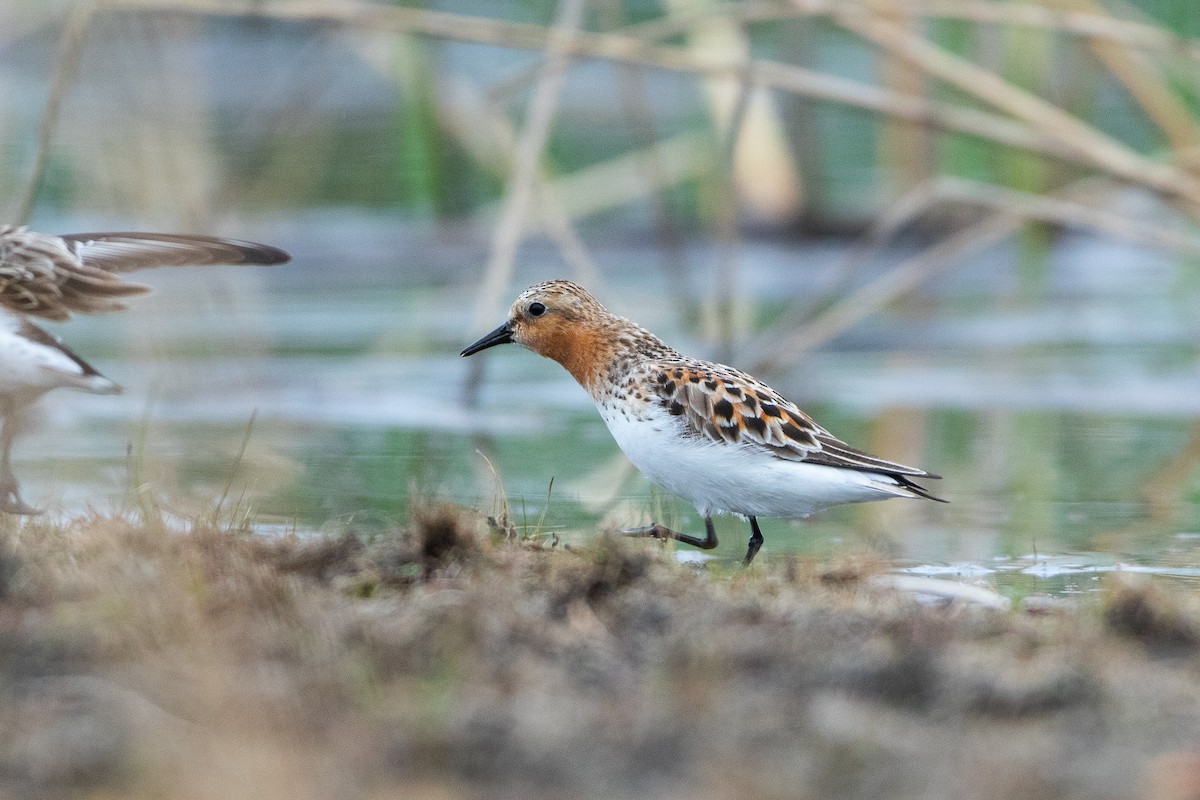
[[728, 406]]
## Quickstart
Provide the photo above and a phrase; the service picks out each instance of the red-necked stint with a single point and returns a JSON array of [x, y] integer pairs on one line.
[[717, 437]]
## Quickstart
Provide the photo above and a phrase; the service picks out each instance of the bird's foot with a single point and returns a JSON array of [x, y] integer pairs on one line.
[[662, 532], [655, 531], [11, 502]]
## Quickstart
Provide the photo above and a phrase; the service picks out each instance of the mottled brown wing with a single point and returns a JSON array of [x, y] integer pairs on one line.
[[54, 276], [726, 405]]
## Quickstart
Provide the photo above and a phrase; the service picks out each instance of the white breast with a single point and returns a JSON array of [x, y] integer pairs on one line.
[[721, 478]]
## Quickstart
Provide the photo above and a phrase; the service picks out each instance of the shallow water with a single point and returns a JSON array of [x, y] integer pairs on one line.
[[1064, 426]]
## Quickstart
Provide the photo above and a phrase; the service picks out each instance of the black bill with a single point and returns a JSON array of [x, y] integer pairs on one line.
[[502, 335]]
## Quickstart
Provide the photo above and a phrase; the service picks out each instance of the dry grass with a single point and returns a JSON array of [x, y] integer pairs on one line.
[[438, 661]]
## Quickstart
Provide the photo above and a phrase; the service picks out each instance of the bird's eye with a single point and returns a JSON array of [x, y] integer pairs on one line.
[[536, 309]]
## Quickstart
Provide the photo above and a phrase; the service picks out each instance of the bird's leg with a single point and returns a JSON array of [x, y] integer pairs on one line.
[[756, 541], [657, 531], [10, 492]]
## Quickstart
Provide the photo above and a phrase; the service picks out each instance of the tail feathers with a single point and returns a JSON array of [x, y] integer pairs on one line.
[[911, 489], [98, 384]]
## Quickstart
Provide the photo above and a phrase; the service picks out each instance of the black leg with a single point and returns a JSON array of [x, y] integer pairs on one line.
[[657, 531], [756, 541]]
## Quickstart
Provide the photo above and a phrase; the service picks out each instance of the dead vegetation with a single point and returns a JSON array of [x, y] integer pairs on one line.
[[443, 661]]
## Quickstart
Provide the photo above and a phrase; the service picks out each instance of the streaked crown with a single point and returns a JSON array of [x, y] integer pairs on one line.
[[560, 297]]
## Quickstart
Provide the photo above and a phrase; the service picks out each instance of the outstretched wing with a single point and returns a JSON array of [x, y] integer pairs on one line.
[[126, 252], [726, 405], [53, 276]]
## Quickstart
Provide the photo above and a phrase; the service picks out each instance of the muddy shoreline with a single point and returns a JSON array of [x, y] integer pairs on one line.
[[443, 660]]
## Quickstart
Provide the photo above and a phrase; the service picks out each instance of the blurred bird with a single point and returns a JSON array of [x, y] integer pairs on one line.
[[724, 441], [54, 276]]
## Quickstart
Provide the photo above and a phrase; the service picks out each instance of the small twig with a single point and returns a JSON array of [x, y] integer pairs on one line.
[[500, 508], [237, 461], [140, 484], [545, 509]]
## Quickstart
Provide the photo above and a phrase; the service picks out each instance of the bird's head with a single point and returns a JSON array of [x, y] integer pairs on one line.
[[558, 320]]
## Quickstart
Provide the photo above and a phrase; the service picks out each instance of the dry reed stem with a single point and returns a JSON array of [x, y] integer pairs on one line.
[[1098, 26], [1089, 143], [1060, 211], [902, 279], [527, 160], [906, 210], [904, 151], [724, 298], [1142, 78], [530, 145], [749, 130], [762, 164], [1053, 132], [1165, 489], [767, 74], [635, 104], [787, 342], [1095, 27], [561, 230], [493, 144], [484, 131], [612, 183], [66, 64]]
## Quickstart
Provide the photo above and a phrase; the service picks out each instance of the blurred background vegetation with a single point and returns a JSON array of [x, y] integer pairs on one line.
[[962, 233]]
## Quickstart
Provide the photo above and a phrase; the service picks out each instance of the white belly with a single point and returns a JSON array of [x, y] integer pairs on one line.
[[720, 478]]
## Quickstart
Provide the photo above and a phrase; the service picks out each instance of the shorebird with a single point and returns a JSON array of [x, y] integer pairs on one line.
[[712, 434], [53, 277]]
